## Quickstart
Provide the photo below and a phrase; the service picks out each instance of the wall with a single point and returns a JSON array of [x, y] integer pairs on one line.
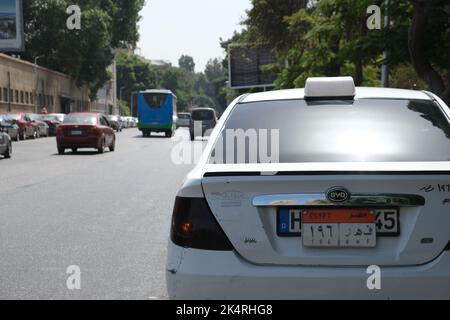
[[25, 87]]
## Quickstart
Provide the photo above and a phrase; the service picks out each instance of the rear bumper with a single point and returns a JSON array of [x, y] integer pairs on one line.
[[76, 142], [149, 127], [200, 274]]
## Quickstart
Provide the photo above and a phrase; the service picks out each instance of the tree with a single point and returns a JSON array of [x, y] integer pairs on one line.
[[134, 74], [330, 37], [187, 63], [83, 54], [429, 44]]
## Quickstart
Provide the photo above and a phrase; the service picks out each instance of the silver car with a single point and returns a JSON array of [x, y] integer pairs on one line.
[[5, 145], [9, 126], [183, 119]]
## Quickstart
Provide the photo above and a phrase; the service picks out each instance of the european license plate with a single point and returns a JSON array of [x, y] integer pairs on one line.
[[77, 132], [290, 222]]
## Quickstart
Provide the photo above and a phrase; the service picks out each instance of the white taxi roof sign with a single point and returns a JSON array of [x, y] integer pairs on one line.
[[330, 87]]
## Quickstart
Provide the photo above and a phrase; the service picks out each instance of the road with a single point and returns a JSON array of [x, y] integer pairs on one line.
[[108, 214]]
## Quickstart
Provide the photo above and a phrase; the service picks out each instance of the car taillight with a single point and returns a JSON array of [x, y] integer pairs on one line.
[[59, 131], [94, 131], [194, 226]]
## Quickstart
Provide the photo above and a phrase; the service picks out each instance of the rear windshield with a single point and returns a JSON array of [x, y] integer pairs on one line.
[[81, 119], [15, 116], [48, 118], [184, 116], [199, 115], [155, 100], [367, 130], [33, 117], [4, 117], [113, 118]]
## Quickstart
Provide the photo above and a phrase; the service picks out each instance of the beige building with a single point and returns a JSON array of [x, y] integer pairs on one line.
[[25, 87]]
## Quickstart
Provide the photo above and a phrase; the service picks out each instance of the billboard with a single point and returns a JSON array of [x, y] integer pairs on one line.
[[11, 26], [246, 64]]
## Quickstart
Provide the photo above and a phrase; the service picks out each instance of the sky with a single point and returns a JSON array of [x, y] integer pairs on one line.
[[171, 28], [7, 6]]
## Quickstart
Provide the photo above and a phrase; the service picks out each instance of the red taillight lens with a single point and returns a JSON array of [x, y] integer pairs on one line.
[[59, 131], [194, 226], [94, 131]]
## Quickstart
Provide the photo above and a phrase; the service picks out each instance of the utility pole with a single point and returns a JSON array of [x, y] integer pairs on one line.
[[36, 85], [385, 67]]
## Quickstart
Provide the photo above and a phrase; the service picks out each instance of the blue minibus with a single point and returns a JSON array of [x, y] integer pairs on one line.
[[157, 112]]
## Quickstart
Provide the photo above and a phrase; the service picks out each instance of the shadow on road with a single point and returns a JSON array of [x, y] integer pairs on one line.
[[80, 153]]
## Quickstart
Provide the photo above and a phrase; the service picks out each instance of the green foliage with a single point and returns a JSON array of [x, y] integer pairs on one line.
[[187, 63], [405, 77], [330, 38], [192, 89], [84, 54], [124, 109]]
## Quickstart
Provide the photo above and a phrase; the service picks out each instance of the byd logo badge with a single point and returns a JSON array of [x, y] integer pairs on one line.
[[338, 195]]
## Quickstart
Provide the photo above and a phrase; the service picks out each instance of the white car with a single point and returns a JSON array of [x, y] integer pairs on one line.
[[351, 202]]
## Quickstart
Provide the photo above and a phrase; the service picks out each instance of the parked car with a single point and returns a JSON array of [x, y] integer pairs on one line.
[[27, 128], [43, 128], [5, 145], [85, 130], [115, 122], [8, 126], [299, 191], [202, 120], [53, 121], [125, 124], [183, 119]]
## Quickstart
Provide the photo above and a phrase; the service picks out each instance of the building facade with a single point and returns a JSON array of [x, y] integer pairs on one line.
[[26, 87]]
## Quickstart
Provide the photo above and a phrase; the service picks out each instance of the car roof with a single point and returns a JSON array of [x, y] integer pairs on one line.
[[361, 93], [199, 109], [86, 113]]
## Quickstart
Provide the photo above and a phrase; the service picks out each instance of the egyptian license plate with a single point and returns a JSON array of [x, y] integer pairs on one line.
[[77, 132], [339, 228], [289, 222]]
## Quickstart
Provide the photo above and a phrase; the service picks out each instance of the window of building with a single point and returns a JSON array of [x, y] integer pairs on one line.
[[16, 96], [5, 94], [27, 97], [22, 99]]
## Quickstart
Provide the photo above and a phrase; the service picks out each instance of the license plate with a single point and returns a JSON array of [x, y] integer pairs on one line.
[[289, 222], [339, 228], [77, 132]]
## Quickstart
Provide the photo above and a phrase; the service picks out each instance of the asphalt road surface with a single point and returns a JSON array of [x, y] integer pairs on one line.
[[107, 214]]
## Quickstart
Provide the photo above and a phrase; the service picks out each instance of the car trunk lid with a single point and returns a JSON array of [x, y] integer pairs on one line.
[[246, 200]]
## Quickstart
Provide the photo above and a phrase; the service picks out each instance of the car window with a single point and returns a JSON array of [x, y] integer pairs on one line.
[[104, 122], [15, 116], [82, 119], [199, 115], [155, 100], [371, 130]]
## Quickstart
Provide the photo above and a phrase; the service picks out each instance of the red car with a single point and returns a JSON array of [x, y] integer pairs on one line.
[[27, 128], [85, 130]]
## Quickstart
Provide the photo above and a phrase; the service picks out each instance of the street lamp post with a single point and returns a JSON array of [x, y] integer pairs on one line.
[[385, 67], [120, 95], [36, 84]]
